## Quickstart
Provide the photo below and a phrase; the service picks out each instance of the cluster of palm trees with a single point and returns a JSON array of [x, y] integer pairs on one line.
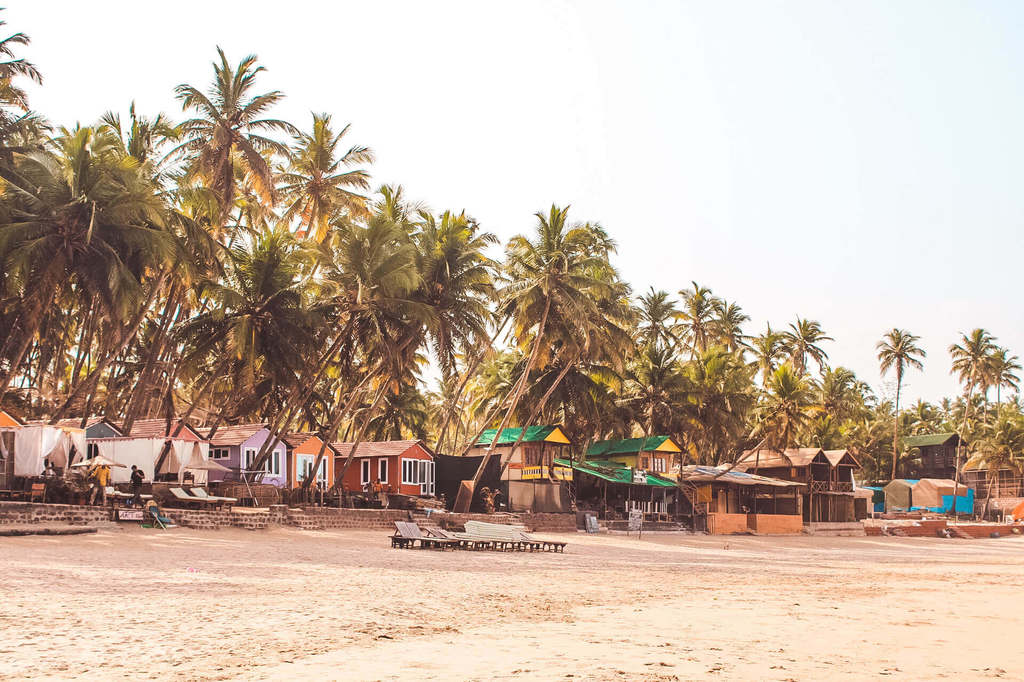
[[234, 267]]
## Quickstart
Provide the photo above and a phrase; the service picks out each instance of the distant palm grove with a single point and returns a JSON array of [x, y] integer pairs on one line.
[[226, 266]]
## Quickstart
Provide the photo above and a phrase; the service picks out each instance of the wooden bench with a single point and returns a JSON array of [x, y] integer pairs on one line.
[[509, 537]]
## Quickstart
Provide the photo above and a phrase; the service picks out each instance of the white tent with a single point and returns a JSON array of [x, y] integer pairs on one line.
[[145, 453], [33, 445]]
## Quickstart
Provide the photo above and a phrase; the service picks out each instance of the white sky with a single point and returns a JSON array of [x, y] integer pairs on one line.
[[859, 163]]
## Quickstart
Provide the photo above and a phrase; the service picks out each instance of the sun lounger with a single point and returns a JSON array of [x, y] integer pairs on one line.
[[511, 538], [201, 492], [407, 534], [461, 540], [182, 496]]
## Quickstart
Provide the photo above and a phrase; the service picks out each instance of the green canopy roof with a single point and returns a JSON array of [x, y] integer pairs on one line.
[[929, 439], [629, 446], [614, 472], [509, 435]]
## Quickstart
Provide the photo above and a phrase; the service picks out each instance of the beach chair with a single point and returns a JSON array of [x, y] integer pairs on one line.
[[201, 492], [38, 490], [407, 534], [161, 522], [460, 540], [182, 496]]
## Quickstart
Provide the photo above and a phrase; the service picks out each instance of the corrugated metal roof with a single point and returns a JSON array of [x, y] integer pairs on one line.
[[614, 472], [235, 434], [703, 474], [929, 439], [387, 448]]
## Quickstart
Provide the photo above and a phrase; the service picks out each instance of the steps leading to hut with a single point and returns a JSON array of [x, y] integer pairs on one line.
[[827, 529], [300, 519]]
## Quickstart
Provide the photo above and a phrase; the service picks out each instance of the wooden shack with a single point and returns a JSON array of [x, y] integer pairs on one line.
[[937, 452], [827, 495]]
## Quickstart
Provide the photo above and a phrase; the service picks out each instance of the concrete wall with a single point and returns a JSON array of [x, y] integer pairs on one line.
[[726, 524], [775, 524]]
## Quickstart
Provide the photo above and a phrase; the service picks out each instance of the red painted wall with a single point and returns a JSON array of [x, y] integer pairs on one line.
[[352, 481]]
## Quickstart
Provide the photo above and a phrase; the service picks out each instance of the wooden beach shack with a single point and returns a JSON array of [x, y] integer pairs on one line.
[[612, 489], [531, 478], [827, 496], [237, 446], [937, 453], [302, 449], [721, 501], [653, 453], [405, 467]]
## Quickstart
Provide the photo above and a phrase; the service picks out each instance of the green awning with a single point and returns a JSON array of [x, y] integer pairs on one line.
[[632, 446], [613, 472]]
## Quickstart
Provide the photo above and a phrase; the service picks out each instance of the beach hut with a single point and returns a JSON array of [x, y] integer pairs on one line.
[[237, 447], [27, 449], [898, 493], [722, 501], [937, 452], [828, 479], [303, 450], [654, 453], [531, 478], [936, 494], [402, 466], [613, 489], [158, 458]]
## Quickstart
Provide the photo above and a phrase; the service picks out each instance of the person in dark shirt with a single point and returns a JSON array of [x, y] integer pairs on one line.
[[136, 485]]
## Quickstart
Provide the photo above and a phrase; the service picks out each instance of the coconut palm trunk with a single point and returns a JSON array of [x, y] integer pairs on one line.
[[896, 421], [515, 396]]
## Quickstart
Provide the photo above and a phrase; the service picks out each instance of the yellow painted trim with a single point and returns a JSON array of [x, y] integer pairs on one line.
[[557, 436], [668, 446]]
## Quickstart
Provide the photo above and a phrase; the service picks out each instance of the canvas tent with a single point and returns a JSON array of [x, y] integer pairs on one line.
[[145, 453], [937, 494], [34, 445], [898, 493]]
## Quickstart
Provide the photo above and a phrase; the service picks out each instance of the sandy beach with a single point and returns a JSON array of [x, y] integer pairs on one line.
[[290, 604]]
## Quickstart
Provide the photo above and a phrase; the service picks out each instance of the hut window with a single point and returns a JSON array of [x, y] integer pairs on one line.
[[382, 469], [659, 465], [364, 471], [645, 463], [219, 453], [92, 450], [410, 472]]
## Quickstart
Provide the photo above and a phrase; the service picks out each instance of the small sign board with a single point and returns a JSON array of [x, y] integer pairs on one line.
[[124, 514], [590, 521], [636, 520], [639, 477]]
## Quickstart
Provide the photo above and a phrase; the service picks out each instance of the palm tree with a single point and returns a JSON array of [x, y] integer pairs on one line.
[[729, 325], [1002, 368], [897, 351], [318, 183], [801, 340], [717, 399], [657, 310], [1001, 449], [228, 135], [787, 407], [86, 222], [697, 319], [969, 363], [561, 274], [653, 388], [12, 96], [768, 353]]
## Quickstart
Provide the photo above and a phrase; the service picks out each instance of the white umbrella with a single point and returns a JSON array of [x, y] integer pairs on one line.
[[99, 460], [208, 465]]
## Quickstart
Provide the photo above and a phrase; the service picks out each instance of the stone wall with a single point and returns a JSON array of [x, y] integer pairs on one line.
[[561, 523], [333, 517], [33, 513]]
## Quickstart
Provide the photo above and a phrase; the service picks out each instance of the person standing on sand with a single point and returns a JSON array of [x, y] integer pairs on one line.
[[136, 485], [100, 479]]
